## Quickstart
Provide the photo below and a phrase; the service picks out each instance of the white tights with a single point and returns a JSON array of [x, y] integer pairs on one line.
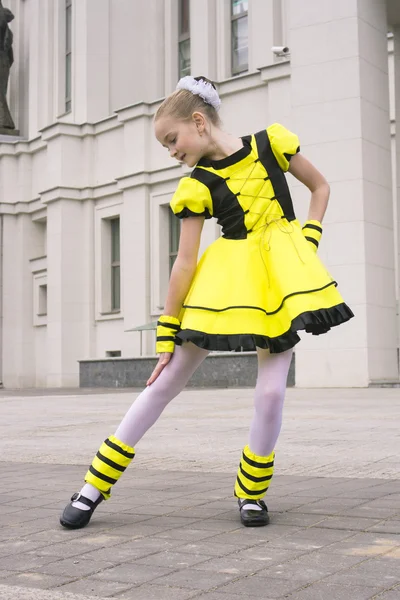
[[148, 406]]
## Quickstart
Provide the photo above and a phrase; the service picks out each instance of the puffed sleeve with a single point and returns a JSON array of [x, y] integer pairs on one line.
[[284, 144], [192, 199]]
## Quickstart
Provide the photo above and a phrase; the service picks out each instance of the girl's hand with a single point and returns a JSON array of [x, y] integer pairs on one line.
[[163, 360]]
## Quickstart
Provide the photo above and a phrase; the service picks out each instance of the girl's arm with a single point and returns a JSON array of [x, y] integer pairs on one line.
[[181, 278], [304, 171], [184, 266]]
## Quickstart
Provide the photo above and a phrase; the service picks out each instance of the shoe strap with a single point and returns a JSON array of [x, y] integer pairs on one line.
[[244, 501], [77, 497]]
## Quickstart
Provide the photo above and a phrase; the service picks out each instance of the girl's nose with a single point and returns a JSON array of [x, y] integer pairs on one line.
[[172, 152]]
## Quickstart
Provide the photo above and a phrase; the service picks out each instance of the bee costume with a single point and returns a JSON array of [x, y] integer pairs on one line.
[[255, 287], [262, 281]]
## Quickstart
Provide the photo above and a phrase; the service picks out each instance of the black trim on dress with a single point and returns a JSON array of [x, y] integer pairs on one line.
[[226, 207], [275, 173], [273, 312], [315, 322], [186, 212], [228, 161]]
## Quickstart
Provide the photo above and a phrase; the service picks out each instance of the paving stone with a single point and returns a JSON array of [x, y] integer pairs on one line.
[[208, 547], [200, 512], [25, 562], [311, 567], [388, 526], [246, 536], [186, 534], [136, 549], [8, 509], [381, 570], [371, 512], [219, 525], [23, 516], [29, 502], [141, 510], [136, 530], [302, 520], [323, 591], [219, 596], [73, 567], [196, 580], [19, 546], [36, 580], [69, 548], [328, 506], [231, 565], [4, 574], [92, 587], [365, 544], [264, 555], [157, 592], [393, 594], [256, 587], [132, 573], [311, 539], [350, 523], [171, 522], [173, 560]]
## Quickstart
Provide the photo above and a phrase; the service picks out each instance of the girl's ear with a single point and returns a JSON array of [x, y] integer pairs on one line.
[[199, 121]]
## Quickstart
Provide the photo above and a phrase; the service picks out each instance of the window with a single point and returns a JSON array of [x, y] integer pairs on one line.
[[115, 265], [42, 301], [184, 38], [113, 353], [68, 46], [239, 36], [174, 234]]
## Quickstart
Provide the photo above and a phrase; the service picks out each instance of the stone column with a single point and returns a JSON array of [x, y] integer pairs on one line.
[[136, 272], [341, 111], [203, 42], [18, 335], [69, 273], [270, 15], [396, 82], [91, 60]]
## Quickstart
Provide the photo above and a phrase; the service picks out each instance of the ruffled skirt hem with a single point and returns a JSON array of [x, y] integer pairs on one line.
[[315, 322]]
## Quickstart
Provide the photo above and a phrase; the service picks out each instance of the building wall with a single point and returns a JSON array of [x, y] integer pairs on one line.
[[70, 173]]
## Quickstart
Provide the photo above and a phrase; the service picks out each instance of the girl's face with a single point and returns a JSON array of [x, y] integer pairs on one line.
[[183, 139]]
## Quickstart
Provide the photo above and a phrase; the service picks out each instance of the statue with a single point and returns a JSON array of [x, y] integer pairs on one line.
[[6, 60]]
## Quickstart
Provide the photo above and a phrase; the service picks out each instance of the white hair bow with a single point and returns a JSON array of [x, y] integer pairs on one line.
[[201, 88]]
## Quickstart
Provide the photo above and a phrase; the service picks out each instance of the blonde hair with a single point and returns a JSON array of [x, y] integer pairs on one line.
[[181, 104]]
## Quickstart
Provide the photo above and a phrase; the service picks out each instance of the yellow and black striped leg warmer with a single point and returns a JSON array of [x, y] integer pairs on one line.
[[108, 465], [254, 475]]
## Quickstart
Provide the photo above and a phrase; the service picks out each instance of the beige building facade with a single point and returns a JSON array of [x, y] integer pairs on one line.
[[86, 233]]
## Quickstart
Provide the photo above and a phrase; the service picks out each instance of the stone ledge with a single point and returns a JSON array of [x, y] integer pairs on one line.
[[222, 370]]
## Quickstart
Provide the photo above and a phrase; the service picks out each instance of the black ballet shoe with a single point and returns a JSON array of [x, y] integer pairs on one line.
[[75, 518], [253, 518]]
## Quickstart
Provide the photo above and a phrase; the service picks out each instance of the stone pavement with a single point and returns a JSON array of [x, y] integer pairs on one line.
[[172, 530]]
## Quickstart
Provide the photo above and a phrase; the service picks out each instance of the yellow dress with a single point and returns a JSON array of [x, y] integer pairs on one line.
[[261, 282]]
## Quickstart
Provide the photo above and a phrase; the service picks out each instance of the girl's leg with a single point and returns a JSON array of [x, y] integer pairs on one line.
[[256, 467], [269, 397], [143, 413]]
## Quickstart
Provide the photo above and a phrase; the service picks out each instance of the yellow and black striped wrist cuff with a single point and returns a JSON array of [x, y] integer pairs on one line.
[[312, 231], [167, 328]]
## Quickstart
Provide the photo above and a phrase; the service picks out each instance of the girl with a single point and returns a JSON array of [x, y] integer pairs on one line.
[[254, 287]]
